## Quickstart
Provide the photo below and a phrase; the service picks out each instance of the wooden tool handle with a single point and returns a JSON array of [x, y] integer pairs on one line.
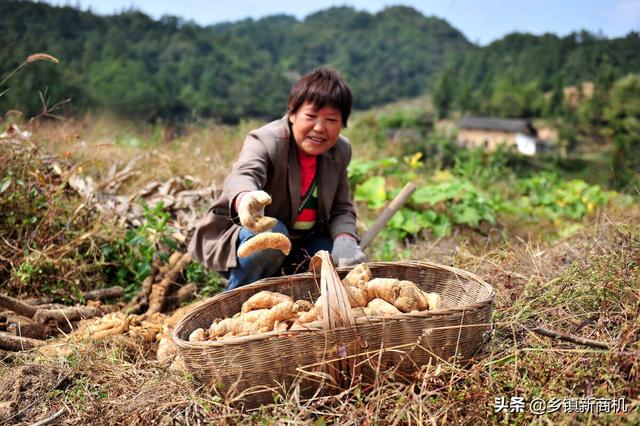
[[387, 214]]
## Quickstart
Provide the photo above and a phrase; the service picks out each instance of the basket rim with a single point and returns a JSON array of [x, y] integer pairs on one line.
[[374, 319]]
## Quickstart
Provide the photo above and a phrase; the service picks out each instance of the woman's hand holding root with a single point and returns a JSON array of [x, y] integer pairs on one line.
[[251, 211]]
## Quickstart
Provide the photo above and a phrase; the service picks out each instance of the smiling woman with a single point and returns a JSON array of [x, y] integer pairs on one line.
[[290, 178], [316, 130], [319, 106]]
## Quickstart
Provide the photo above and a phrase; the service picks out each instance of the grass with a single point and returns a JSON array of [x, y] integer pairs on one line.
[[584, 284], [97, 142]]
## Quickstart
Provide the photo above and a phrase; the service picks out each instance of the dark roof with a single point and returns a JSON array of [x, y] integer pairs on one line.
[[504, 124]]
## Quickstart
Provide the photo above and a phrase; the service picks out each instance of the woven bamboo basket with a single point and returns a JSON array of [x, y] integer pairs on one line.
[[249, 370]]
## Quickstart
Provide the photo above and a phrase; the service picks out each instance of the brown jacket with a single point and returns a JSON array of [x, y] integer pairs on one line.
[[268, 161]]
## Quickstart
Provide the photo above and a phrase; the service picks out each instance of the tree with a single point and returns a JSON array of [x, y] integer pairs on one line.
[[443, 92], [623, 116], [554, 105], [466, 99]]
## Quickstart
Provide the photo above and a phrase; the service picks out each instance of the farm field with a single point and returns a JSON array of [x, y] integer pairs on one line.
[[511, 285], [94, 203]]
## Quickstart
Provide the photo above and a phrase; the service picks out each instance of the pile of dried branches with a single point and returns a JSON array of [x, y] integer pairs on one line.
[[26, 324], [181, 196], [57, 246]]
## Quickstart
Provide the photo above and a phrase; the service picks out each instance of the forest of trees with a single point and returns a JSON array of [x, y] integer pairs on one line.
[[133, 64], [510, 77], [168, 68]]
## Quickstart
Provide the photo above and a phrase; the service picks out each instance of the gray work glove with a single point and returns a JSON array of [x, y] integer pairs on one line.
[[346, 251], [251, 211]]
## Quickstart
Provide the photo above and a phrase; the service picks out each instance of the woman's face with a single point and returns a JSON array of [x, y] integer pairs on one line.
[[316, 130]]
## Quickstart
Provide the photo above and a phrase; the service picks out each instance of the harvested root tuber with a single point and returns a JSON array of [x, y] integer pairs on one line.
[[281, 312], [264, 300], [302, 306], [404, 295], [268, 311], [381, 307], [198, 335], [230, 336], [387, 289], [167, 349], [159, 291], [116, 327], [357, 298], [135, 329], [265, 240], [251, 212], [253, 316], [145, 330], [233, 326], [258, 321], [122, 328], [410, 298], [171, 263], [178, 364], [358, 276], [314, 314], [433, 300]]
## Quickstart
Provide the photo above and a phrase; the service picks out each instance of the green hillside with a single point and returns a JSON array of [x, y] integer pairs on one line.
[[133, 64], [510, 76]]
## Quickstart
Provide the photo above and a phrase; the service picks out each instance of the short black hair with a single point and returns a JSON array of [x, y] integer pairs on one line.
[[322, 87]]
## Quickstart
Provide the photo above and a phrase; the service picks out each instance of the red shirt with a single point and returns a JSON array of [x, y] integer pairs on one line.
[[308, 209]]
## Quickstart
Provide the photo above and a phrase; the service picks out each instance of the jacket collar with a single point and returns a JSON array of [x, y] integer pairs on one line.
[[293, 176], [327, 164]]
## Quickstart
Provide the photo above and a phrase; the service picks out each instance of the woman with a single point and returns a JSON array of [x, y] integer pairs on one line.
[[295, 170]]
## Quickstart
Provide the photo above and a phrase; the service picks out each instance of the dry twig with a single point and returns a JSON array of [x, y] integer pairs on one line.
[[103, 293], [572, 338], [74, 313], [17, 306], [9, 342]]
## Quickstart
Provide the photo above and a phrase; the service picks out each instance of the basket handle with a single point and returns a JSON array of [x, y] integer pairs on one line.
[[336, 312]]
